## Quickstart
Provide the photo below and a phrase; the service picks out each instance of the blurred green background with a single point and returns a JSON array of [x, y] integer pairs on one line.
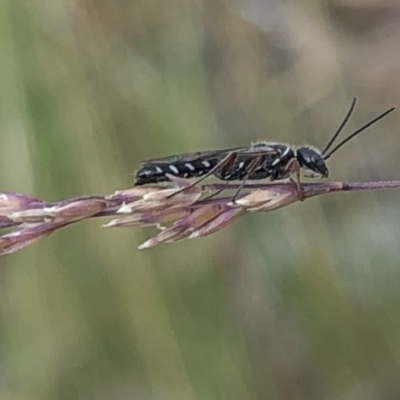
[[303, 303]]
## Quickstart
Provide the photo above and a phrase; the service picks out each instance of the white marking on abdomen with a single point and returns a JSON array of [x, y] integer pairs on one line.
[[190, 166], [206, 164], [174, 169], [159, 170]]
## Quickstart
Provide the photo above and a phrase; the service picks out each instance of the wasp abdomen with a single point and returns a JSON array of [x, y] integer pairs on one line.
[[154, 172]]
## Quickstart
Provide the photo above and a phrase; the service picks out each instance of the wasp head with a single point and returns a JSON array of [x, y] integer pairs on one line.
[[312, 162]]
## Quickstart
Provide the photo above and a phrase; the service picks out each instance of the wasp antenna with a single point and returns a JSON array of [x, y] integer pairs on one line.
[[341, 126], [363, 128]]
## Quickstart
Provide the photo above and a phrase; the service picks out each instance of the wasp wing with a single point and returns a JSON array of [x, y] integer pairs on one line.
[[204, 155], [187, 157]]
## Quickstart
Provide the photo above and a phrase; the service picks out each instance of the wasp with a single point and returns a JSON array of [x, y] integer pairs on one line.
[[262, 160]]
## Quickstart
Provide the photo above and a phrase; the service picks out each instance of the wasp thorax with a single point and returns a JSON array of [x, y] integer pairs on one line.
[[312, 161]]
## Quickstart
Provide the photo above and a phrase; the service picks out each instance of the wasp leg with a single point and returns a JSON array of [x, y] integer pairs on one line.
[[225, 163], [294, 167], [253, 165]]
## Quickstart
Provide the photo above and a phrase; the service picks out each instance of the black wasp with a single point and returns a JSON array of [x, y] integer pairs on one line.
[[261, 160]]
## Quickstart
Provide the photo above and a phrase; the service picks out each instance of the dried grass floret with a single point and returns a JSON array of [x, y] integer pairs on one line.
[[178, 214]]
